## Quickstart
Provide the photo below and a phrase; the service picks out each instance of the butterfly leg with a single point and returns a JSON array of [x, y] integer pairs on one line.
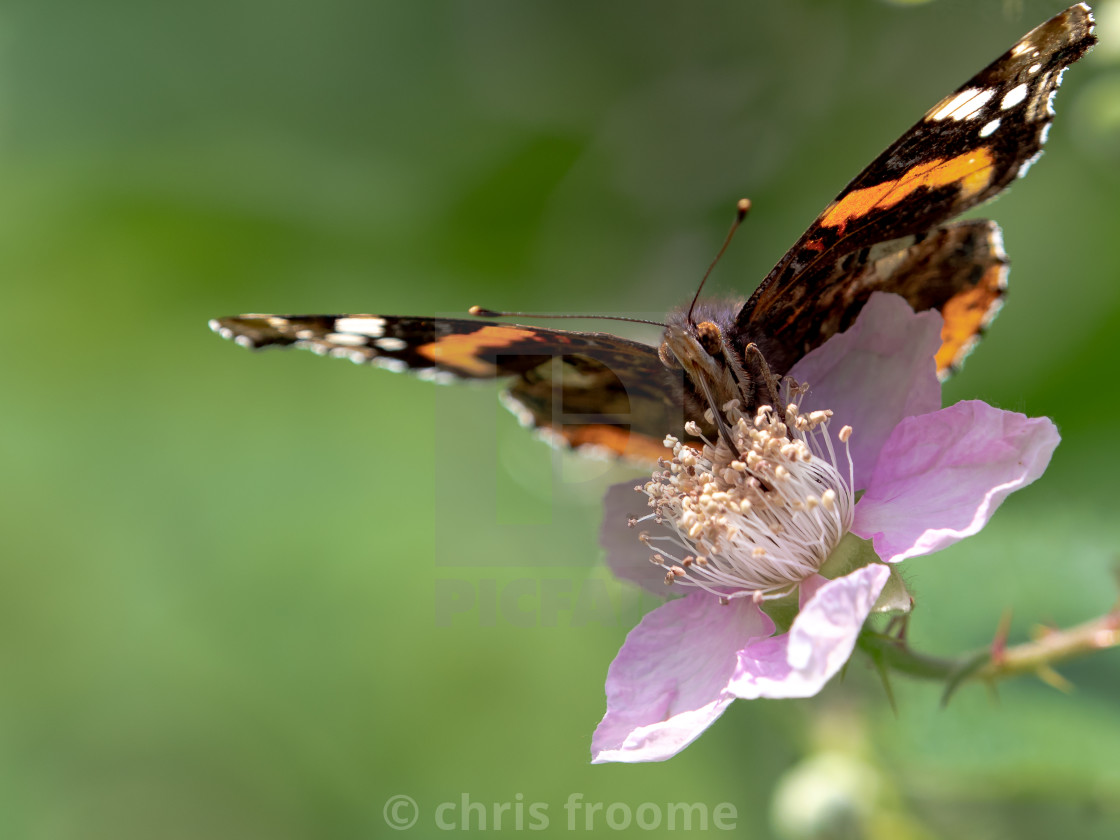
[[760, 372]]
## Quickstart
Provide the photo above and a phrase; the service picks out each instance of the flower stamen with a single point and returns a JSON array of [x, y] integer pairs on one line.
[[757, 519]]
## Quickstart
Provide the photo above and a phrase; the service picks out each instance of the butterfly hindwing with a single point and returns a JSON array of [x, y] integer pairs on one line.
[[959, 269]]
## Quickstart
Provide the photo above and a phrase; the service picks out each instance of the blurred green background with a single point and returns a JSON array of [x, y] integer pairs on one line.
[[257, 596]]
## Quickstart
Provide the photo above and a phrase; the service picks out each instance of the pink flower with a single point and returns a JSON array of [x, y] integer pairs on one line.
[[931, 476]]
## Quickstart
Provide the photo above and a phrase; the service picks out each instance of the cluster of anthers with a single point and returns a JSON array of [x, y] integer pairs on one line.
[[757, 519]]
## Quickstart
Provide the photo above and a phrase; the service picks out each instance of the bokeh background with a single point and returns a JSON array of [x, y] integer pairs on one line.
[[256, 596]]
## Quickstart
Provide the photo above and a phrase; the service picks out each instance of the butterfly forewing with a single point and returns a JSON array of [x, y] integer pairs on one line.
[[965, 150], [583, 389]]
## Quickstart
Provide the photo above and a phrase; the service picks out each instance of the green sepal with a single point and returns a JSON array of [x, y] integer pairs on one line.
[[852, 553], [782, 611], [895, 598]]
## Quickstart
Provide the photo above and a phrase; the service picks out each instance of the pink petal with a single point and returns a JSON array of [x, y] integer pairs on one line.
[[941, 476], [799, 663], [669, 680], [627, 558], [872, 375]]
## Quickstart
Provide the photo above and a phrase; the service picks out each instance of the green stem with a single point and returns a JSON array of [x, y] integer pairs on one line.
[[895, 655]]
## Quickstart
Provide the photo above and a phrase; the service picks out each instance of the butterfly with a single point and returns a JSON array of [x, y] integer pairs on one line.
[[888, 230]]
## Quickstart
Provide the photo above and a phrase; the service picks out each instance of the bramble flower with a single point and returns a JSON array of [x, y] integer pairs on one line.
[[733, 530]]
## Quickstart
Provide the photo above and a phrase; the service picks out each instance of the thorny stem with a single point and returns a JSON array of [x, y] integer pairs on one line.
[[1002, 661], [1054, 646]]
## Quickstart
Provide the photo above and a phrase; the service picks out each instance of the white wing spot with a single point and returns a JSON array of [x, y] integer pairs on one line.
[[394, 365], [224, 332], [963, 106], [989, 128], [1013, 97], [439, 377], [391, 344], [347, 339], [244, 341], [524, 416], [370, 327], [1034, 68]]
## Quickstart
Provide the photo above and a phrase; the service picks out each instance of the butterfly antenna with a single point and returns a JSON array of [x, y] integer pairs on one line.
[[741, 210], [483, 312]]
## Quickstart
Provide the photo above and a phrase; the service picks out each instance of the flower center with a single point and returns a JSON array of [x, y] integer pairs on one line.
[[756, 519]]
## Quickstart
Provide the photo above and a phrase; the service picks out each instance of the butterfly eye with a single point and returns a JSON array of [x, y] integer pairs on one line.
[[710, 337], [668, 357]]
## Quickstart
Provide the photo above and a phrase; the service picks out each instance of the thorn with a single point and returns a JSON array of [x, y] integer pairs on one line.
[[884, 677], [1055, 680], [999, 643], [993, 691], [962, 674], [899, 625], [1042, 631]]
